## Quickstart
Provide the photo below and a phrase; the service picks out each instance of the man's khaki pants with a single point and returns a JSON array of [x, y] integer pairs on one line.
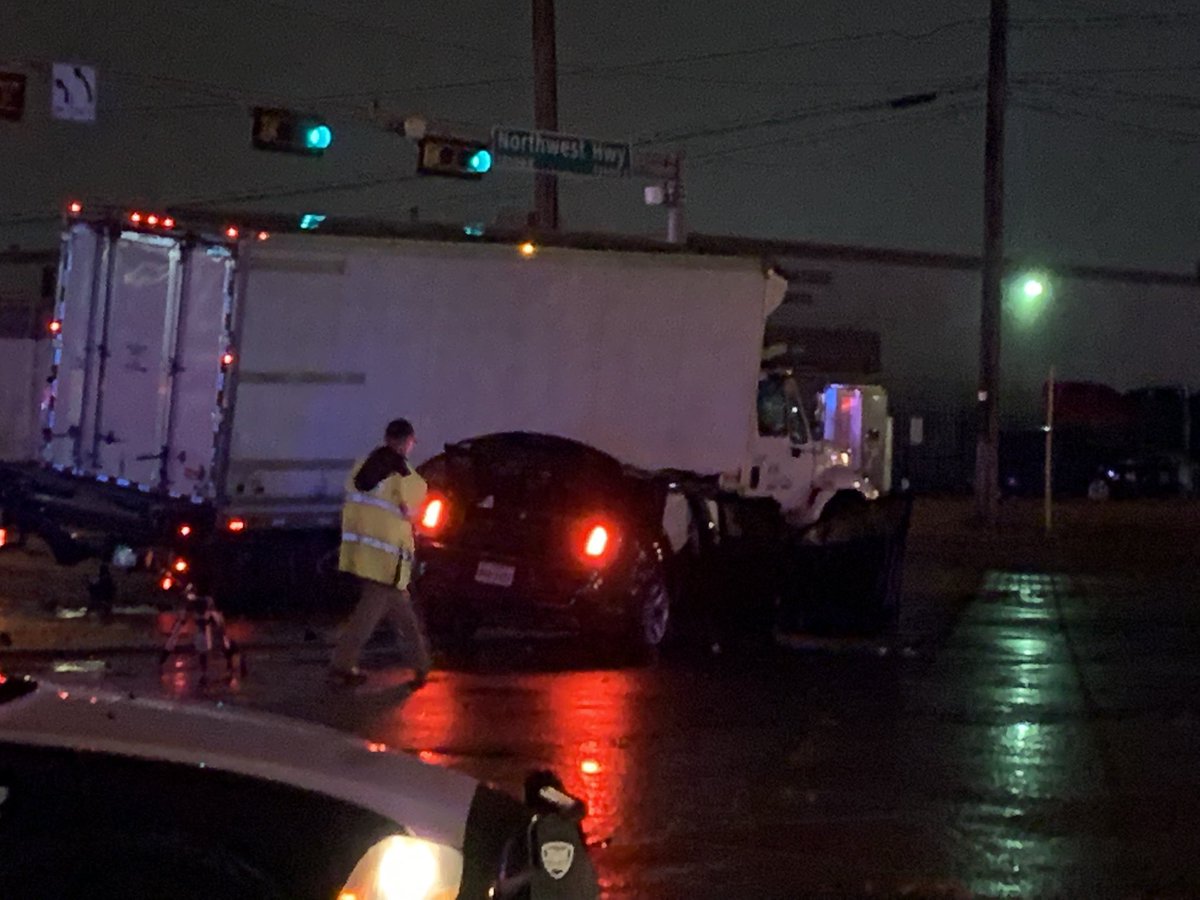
[[379, 600]]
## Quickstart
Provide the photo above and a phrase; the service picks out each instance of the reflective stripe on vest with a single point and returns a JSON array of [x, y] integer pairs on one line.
[[368, 500], [375, 544]]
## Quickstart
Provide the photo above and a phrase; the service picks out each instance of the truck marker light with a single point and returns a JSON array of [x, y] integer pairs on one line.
[[263, 235], [135, 217], [185, 530], [151, 220], [55, 327], [168, 222], [231, 232], [75, 207], [227, 358], [236, 525], [528, 249], [180, 566], [167, 583], [3, 536]]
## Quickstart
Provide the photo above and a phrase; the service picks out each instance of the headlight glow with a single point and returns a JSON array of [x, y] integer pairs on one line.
[[405, 868]]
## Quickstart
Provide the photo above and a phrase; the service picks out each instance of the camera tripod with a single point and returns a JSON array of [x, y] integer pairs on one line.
[[208, 627]]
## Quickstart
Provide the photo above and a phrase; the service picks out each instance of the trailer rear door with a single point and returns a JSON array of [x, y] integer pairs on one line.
[[138, 365]]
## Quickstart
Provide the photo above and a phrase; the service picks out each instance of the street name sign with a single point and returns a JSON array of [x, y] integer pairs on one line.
[[548, 151]]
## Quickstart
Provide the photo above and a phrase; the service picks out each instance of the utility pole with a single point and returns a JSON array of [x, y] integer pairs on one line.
[[987, 465], [545, 107], [673, 199]]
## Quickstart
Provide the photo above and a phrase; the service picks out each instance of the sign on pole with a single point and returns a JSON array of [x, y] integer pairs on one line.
[[73, 92], [548, 151], [12, 96]]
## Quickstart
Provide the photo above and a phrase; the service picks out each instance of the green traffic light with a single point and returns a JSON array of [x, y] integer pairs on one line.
[[318, 137], [1034, 288], [480, 161]]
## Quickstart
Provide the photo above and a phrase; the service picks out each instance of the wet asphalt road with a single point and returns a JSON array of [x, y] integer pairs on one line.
[[1046, 743]]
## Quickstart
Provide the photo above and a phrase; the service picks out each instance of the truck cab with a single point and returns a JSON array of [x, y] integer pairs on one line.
[[802, 457]]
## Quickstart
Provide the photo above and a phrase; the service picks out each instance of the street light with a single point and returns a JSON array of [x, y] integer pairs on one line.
[[1029, 293]]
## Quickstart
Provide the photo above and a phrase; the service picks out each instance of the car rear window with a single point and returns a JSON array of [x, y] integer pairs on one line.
[[549, 474]]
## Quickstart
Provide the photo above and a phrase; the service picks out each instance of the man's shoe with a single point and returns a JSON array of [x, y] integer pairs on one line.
[[350, 678]]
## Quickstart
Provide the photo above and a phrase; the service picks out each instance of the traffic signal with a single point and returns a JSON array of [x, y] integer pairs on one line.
[[453, 157], [287, 131]]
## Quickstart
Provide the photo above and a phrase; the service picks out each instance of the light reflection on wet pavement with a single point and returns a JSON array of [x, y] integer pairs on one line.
[[1048, 747]]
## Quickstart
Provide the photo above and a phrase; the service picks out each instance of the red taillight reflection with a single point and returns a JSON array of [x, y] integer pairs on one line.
[[236, 525], [433, 516]]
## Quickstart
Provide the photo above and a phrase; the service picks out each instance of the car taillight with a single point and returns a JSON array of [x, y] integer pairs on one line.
[[433, 515], [596, 542]]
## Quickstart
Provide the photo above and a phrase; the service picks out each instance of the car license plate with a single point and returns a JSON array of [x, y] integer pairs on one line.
[[495, 574]]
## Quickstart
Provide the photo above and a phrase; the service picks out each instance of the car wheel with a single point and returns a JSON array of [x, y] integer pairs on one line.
[[649, 614]]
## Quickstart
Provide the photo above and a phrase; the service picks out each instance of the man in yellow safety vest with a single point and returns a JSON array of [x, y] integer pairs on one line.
[[383, 496]]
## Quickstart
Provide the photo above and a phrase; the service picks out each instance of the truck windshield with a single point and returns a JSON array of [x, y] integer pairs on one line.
[[779, 412]]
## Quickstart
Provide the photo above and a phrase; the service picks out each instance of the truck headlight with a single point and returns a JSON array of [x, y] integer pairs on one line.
[[405, 868]]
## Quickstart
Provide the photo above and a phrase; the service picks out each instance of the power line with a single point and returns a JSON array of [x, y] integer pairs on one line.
[[774, 121], [326, 188], [637, 67], [776, 85], [778, 47], [1188, 102], [1171, 135], [1119, 70], [1120, 20], [949, 111]]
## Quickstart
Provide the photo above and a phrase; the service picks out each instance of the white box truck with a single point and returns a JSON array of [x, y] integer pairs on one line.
[[215, 378]]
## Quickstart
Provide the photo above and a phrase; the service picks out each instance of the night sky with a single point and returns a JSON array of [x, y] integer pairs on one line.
[[774, 103]]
